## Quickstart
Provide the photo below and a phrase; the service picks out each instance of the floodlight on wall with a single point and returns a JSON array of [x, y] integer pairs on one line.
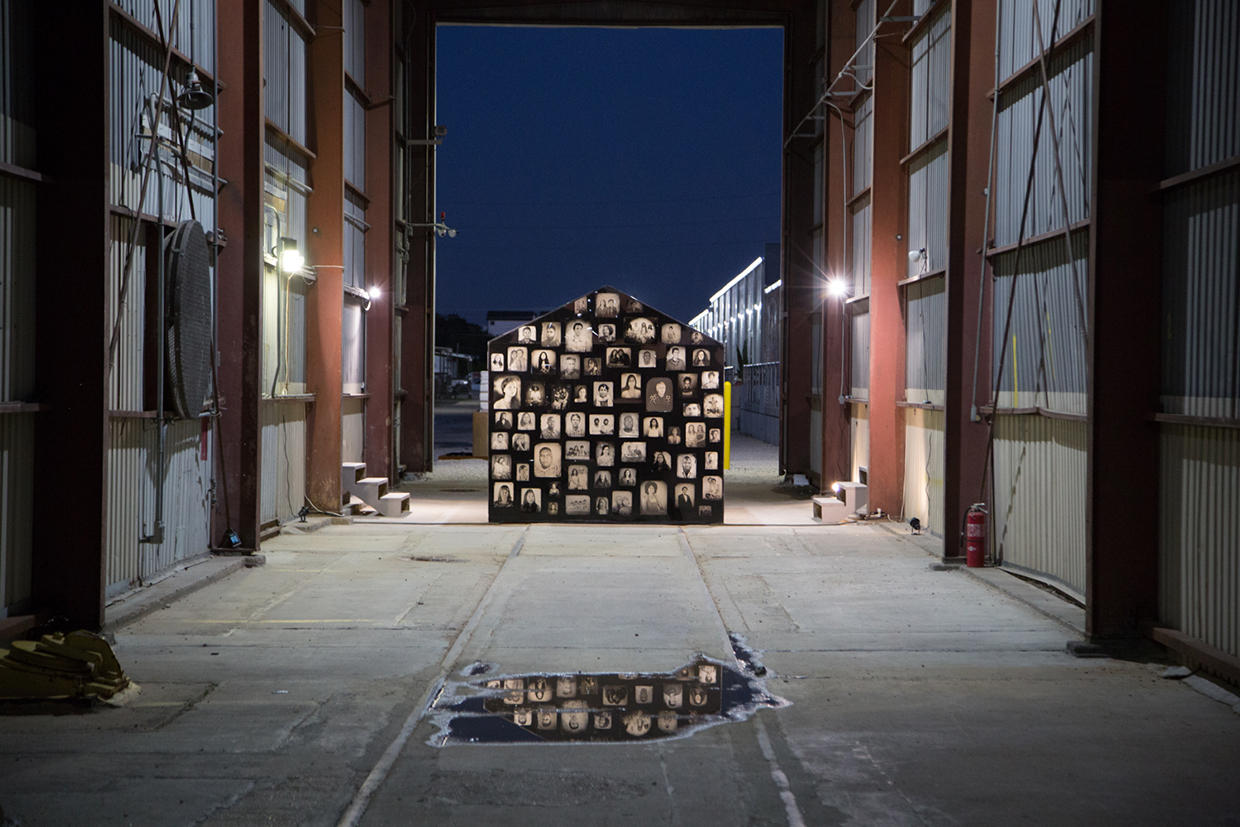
[[193, 96], [290, 258], [837, 288], [919, 255]]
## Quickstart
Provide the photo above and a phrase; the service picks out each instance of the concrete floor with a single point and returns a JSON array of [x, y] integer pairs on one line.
[[296, 692]]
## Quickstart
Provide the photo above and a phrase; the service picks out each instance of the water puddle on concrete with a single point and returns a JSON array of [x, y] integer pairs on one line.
[[595, 708]]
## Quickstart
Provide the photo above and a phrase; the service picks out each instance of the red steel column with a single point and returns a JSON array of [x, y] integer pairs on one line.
[[240, 270], [418, 324], [379, 239], [889, 264], [973, 69], [801, 292], [1124, 287], [325, 217], [73, 319]]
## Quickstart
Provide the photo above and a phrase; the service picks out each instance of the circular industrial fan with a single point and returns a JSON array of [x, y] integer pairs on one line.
[[187, 319]]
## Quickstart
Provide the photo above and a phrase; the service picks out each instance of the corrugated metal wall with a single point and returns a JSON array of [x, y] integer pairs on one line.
[[1018, 39], [859, 350], [1038, 516], [16, 506], [930, 92], [283, 451], [196, 16], [925, 367], [355, 41], [17, 104], [1200, 533], [353, 430], [859, 439], [928, 191], [924, 449], [132, 479], [126, 380], [284, 70], [1071, 100], [1200, 463]]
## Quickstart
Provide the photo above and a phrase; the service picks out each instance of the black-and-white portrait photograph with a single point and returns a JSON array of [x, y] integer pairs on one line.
[[686, 466], [710, 379], [577, 505], [712, 488], [575, 423], [544, 362], [627, 477], [578, 337], [577, 449], [712, 405], [647, 358], [708, 673], [602, 424], [652, 427], [553, 490], [696, 337], [550, 334], [525, 420], [606, 332], [686, 383], [659, 394], [570, 365], [615, 695], [661, 462], [684, 498], [710, 461], [553, 508], [581, 394], [497, 362], [499, 441], [592, 366], [581, 305], [578, 478], [602, 720], [521, 442], [605, 454], [518, 359], [603, 394], [601, 505], [607, 305], [673, 694], [619, 357], [559, 397], [501, 466], [640, 331], [675, 358], [695, 434], [531, 500], [507, 393], [549, 426], [692, 409], [536, 395], [643, 694], [706, 511], [523, 472], [653, 497], [716, 434], [673, 435], [628, 425], [671, 334], [632, 452], [632, 305], [527, 334], [630, 387], [622, 503], [701, 357], [502, 495], [666, 722], [503, 420], [602, 478], [547, 460]]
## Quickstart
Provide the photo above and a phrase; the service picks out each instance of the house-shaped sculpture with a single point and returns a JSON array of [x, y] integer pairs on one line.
[[606, 410]]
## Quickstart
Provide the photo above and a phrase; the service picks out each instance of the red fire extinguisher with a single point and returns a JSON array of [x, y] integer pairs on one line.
[[975, 536]]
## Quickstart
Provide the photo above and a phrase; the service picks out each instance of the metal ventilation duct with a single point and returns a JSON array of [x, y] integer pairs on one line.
[[188, 319]]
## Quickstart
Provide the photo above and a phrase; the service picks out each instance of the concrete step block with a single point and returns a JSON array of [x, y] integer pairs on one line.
[[350, 473], [829, 509], [394, 504], [371, 489]]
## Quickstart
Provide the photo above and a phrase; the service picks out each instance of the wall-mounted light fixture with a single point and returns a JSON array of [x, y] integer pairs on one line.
[[193, 96], [837, 288], [290, 258], [919, 255]]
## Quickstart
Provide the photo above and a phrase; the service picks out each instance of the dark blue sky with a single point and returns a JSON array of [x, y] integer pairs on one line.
[[646, 159]]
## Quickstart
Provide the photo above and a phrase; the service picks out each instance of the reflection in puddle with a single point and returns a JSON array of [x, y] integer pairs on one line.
[[597, 708]]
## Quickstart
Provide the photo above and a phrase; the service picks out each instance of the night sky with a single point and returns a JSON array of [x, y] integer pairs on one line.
[[646, 159]]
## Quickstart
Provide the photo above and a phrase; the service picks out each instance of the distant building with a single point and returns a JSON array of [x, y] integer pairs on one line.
[[500, 322], [745, 316]]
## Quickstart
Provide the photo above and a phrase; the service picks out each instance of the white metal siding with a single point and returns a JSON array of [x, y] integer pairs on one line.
[[859, 439], [353, 346], [863, 146], [865, 25], [925, 368], [125, 381], [1199, 485], [284, 70], [17, 104], [1038, 516], [17, 287], [859, 348], [924, 449], [1018, 39], [197, 16], [353, 429], [930, 96], [859, 248], [283, 452], [354, 141], [355, 40], [133, 475]]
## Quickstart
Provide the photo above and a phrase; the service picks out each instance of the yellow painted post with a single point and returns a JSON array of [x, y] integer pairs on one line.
[[727, 425]]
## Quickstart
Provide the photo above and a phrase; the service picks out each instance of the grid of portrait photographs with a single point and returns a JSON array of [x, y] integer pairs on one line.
[[606, 410], [609, 707]]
